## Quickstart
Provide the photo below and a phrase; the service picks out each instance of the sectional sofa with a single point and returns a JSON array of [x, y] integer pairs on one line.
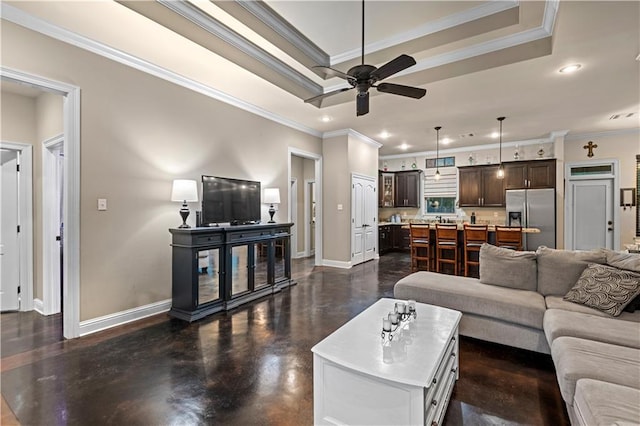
[[568, 304]]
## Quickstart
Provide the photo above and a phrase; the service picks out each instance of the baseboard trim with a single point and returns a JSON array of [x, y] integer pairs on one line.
[[38, 306], [336, 264], [119, 318]]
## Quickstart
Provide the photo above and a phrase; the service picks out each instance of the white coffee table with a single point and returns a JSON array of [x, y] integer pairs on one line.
[[359, 380]]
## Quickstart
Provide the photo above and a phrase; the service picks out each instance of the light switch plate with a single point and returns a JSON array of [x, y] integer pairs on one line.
[[102, 204], [339, 206]]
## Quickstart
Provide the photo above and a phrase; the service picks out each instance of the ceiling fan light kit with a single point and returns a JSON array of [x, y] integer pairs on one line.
[[363, 77]]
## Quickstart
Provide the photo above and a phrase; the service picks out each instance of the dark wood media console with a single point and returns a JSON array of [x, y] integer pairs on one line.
[[220, 268]]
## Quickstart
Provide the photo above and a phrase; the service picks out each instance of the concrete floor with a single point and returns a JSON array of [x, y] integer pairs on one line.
[[250, 366]]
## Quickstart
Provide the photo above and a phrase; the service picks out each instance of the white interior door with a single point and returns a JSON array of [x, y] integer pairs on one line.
[[591, 214], [9, 242], [363, 219], [370, 219], [357, 220]]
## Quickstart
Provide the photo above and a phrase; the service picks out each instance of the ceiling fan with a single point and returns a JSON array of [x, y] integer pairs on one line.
[[362, 77]]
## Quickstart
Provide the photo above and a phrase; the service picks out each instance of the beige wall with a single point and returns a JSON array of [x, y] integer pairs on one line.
[[624, 148], [18, 118], [343, 156], [138, 133]]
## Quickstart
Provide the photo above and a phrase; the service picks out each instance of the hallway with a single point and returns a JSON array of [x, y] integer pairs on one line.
[[249, 366]]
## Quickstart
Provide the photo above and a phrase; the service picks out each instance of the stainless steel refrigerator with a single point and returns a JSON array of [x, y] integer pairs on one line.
[[533, 208]]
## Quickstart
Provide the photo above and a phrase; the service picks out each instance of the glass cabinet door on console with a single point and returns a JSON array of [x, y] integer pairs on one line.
[[208, 275], [280, 268], [241, 269], [261, 265]]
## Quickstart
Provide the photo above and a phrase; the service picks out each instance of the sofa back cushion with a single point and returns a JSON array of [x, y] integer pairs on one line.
[[559, 270], [508, 268], [623, 260]]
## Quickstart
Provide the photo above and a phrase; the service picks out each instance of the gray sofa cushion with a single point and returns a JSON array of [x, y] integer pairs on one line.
[[628, 261], [508, 268], [558, 323], [587, 359], [556, 302], [558, 270], [605, 288], [471, 296], [601, 403]]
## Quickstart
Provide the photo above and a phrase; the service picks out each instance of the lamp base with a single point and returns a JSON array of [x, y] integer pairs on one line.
[[184, 213], [272, 211]]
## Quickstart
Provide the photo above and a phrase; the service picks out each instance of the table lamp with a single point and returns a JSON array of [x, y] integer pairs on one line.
[[184, 190], [271, 196]]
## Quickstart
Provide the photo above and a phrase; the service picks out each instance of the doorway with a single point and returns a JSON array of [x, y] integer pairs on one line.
[[310, 217], [364, 219], [52, 224], [306, 166], [10, 231], [293, 190], [71, 193], [590, 216], [16, 235]]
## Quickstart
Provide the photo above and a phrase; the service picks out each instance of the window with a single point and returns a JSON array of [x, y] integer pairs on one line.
[[440, 195]]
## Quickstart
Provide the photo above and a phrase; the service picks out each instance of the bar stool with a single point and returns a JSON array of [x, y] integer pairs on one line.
[[474, 237], [419, 240], [447, 241], [509, 237]]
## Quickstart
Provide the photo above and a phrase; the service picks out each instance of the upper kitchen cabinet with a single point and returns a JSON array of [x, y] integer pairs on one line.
[[386, 189], [533, 174], [407, 188], [479, 186]]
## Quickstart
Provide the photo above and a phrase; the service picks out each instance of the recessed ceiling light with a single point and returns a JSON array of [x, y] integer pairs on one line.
[[445, 141], [384, 134], [570, 68], [495, 135], [325, 119], [404, 146]]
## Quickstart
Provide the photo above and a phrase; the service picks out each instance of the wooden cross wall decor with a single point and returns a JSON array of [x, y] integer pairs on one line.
[[590, 146]]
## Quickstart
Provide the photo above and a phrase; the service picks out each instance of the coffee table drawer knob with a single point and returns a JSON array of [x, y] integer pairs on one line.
[[435, 381], [434, 402]]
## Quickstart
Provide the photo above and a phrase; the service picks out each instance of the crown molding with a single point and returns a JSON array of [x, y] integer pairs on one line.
[[607, 134], [26, 20], [285, 30], [441, 24], [354, 134], [235, 40], [469, 148]]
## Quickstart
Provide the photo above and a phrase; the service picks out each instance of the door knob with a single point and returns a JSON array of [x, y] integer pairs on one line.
[[609, 229], [610, 223]]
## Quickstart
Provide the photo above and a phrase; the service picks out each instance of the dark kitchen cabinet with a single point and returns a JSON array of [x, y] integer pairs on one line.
[[479, 186], [407, 189], [533, 174]]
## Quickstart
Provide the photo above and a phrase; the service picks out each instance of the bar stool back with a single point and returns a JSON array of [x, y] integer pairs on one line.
[[447, 241], [474, 237], [419, 239], [509, 237]]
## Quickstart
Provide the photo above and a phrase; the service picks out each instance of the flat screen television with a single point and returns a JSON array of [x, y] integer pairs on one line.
[[229, 200]]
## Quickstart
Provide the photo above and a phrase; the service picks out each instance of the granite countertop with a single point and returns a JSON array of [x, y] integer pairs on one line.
[[492, 228]]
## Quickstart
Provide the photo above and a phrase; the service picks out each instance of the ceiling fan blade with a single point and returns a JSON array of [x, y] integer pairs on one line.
[[326, 95], [362, 103], [330, 72], [398, 89], [396, 65]]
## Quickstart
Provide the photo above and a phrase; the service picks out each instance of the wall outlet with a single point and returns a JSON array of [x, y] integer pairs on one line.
[[102, 204], [495, 214], [340, 207]]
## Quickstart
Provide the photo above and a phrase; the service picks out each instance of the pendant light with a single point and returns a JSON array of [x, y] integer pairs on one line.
[[501, 168], [437, 175]]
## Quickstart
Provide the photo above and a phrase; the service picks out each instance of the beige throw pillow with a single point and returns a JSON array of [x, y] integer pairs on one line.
[[605, 288]]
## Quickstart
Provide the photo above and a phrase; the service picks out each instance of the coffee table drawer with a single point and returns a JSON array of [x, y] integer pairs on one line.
[[449, 361]]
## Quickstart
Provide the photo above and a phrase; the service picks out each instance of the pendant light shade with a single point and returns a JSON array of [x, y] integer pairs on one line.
[[437, 175], [501, 168]]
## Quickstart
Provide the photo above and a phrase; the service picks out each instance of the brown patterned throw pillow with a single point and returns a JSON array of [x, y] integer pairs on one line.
[[605, 288]]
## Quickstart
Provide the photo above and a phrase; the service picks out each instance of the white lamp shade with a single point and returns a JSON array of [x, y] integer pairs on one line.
[[184, 190], [271, 196]]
